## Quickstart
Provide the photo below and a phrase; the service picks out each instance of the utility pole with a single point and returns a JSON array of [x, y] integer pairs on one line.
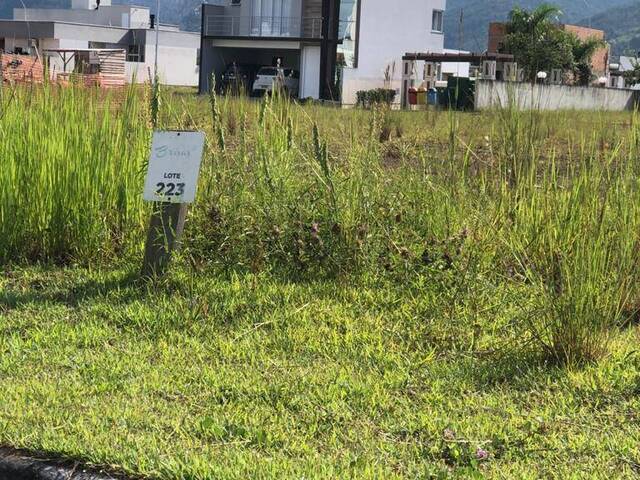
[[461, 30]]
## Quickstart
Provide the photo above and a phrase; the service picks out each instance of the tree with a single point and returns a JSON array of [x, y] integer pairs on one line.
[[632, 77], [582, 52], [536, 42]]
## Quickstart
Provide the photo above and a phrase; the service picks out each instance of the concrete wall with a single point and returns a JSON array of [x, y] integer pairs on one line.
[[176, 66], [387, 32], [552, 97], [177, 58]]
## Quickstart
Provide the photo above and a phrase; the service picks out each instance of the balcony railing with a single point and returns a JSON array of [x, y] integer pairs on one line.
[[278, 27]]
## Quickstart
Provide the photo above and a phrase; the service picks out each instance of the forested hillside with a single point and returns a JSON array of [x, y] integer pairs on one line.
[[478, 14], [622, 25]]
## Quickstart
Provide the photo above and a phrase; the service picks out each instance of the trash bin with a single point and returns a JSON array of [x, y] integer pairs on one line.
[[413, 96], [422, 96], [432, 97]]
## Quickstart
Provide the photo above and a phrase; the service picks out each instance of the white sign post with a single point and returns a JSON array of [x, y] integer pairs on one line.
[[174, 166], [171, 183]]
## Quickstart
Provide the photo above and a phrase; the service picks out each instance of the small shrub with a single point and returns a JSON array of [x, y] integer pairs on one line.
[[378, 96]]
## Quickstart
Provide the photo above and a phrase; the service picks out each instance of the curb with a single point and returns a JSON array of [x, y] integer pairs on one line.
[[22, 465]]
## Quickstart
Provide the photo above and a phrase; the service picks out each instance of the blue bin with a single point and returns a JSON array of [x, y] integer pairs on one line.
[[432, 96]]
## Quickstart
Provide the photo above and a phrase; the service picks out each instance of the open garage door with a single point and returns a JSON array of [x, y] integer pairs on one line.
[[252, 59]]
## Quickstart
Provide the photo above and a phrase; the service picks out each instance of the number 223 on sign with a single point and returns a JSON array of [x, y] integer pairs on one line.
[[174, 165]]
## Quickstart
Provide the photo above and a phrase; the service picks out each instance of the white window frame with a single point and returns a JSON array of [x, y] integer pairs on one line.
[[439, 27]]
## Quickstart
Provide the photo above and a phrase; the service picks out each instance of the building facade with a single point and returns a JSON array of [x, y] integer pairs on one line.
[[381, 33], [107, 27], [299, 34], [338, 46]]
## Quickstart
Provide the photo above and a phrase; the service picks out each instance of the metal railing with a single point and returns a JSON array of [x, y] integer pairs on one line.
[[279, 27]]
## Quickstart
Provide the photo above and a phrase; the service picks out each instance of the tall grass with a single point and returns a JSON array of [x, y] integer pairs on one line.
[[541, 205], [70, 170]]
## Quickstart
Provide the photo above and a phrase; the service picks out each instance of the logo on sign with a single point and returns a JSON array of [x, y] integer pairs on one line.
[[164, 151]]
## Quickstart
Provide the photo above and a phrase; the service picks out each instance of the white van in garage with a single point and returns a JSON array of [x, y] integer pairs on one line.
[[267, 77]]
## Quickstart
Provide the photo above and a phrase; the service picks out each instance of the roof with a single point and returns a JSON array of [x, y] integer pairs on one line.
[[627, 63], [27, 23], [99, 50]]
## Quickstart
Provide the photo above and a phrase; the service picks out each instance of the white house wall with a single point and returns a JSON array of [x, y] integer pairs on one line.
[[388, 30], [177, 66]]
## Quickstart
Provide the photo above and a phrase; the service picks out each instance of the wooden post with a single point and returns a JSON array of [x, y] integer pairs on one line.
[[165, 231]]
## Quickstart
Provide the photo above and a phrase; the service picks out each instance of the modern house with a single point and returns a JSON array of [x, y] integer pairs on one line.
[[89, 26], [338, 46]]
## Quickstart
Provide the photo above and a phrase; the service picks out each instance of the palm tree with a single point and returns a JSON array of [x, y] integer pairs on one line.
[[535, 40], [533, 22]]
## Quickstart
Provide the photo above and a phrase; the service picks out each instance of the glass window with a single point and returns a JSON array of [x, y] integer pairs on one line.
[[348, 34], [437, 21], [135, 53]]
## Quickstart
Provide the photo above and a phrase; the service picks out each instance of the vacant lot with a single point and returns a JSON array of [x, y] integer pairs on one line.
[[360, 294]]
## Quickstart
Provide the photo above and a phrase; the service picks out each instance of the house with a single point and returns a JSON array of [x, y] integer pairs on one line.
[[619, 70], [599, 61], [300, 34], [88, 27], [338, 46], [384, 32]]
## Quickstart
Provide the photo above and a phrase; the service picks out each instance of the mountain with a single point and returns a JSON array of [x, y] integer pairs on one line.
[[478, 14], [622, 25]]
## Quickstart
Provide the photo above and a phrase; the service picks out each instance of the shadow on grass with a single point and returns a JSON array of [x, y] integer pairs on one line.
[[131, 287], [20, 464], [520, 370]]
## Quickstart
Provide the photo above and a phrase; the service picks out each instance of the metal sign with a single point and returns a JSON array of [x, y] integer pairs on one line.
[[174, 166]]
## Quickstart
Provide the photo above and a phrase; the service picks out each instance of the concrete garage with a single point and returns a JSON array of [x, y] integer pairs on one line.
[[305, 58], [259, 57]]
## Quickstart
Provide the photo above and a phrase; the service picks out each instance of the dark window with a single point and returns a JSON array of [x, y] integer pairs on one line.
[[135, 53], [437, 22]]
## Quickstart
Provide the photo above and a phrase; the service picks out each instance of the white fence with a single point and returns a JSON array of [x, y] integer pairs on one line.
[[491, 94]]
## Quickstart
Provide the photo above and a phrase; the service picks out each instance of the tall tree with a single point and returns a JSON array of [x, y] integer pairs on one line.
[[582, 52], [536, 42]]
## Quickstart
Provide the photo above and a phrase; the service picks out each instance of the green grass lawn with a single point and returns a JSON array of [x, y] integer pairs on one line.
[[359, 293], [207, 376]]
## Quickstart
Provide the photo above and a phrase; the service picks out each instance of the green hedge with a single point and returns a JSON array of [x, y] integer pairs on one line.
[[368, 98]]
